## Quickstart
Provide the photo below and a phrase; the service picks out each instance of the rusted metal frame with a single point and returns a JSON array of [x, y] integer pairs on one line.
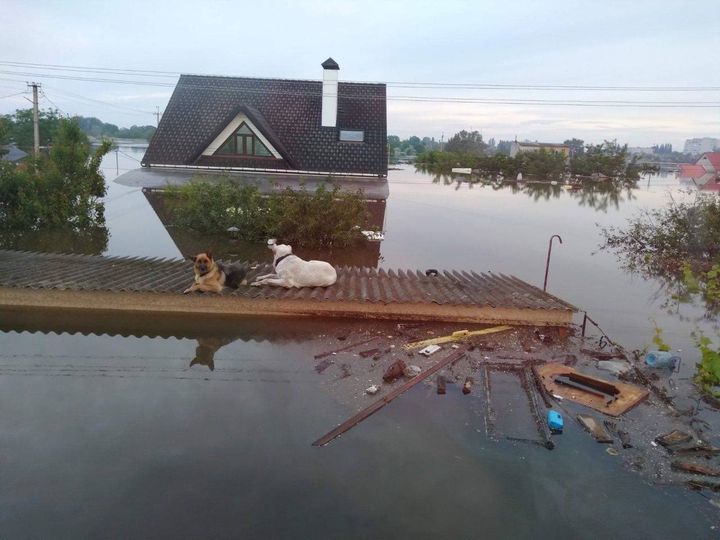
[[547, 262], [489, 413], [542, 427], [377, 405], [539, 384]]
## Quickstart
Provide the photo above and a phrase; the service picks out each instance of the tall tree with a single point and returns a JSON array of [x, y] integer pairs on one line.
[[466, 142]]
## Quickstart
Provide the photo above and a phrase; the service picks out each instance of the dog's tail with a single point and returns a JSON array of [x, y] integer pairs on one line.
[[234, 275]]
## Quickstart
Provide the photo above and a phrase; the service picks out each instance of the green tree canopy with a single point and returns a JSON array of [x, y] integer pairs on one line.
[[466, 142]]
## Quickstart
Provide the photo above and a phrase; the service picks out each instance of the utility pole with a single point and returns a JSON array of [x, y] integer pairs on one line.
[[36, 119], [157, 114]]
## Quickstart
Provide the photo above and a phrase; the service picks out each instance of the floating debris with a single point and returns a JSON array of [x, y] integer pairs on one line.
[[430, 349], [372, 390], [394, 371], [441, 385], [595, 428], [467, 386]]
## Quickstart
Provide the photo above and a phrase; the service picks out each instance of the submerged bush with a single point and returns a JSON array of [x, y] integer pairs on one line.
[[61, 190], [679, 243], [324, 218]]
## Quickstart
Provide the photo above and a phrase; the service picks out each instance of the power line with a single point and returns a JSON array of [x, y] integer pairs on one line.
[[71, 95], [42, 92], [426, 99], [401, 84], [13, 95]]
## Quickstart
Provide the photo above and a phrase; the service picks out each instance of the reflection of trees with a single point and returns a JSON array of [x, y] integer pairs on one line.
[[599, 195], [88, 241]]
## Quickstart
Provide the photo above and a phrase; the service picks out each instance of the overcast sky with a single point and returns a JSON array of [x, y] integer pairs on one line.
[[591, 43]]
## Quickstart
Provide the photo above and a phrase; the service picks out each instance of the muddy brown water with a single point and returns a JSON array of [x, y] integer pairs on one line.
[[117, 435]]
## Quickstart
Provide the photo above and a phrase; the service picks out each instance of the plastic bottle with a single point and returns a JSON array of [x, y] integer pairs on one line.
[[661, 359], [555, 421]]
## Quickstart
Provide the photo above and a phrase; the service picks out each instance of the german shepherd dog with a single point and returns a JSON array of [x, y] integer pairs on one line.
[[212, 276]]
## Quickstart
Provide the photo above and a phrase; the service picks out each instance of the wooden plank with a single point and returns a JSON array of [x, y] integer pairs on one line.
[[380, 403], [455, 336], [628, 395]]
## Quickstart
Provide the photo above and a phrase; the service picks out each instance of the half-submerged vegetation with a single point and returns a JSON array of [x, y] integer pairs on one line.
[[60, 190], [327, 217], [679, 244], [607, 159]]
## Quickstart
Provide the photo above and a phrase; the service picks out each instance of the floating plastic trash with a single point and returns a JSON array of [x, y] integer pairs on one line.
[[555, 421], [661, 359]]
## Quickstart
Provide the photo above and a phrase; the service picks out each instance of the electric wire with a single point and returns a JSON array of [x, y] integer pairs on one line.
[[404, 84], [422, 99]]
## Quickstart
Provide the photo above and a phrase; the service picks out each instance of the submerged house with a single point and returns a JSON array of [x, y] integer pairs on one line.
[[705, 173], [280, 128]]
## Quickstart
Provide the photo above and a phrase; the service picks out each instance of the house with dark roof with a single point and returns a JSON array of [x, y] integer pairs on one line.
[[12, 153], [243, 124]]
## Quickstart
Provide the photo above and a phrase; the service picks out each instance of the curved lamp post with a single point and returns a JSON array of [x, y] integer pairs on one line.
[[547, 263]]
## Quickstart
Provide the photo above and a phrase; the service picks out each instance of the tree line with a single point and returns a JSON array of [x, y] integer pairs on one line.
[[468, 149], [17, 128]]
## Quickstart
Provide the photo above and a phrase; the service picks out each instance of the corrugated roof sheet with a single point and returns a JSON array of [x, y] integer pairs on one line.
[[84, 272]]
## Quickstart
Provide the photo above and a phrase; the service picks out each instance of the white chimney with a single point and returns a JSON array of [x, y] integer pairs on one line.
[[330, 93]]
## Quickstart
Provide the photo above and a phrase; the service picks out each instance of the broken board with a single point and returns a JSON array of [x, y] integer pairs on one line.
[[628, 396]]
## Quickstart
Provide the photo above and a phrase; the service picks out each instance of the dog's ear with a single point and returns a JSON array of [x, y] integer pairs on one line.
[[192, 258], [209, 255]]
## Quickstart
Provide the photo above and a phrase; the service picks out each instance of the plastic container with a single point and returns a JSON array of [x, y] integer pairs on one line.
[[555, 421], [662, 359]]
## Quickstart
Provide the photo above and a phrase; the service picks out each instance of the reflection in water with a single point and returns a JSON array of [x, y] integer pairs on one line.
[[191, 242], [90, 241], [599, 195], [206, 349]]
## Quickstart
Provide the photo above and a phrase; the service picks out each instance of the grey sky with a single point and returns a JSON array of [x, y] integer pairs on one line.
[[609, 43]]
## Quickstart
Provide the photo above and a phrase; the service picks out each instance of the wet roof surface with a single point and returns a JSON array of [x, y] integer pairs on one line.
[[83, 272]]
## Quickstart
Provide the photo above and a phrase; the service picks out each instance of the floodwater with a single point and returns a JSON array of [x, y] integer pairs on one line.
[[107, 430]]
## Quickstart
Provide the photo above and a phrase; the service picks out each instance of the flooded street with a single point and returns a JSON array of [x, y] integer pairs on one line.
[[131, 428]]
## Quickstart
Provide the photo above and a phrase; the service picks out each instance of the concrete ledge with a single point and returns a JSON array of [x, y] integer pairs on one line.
[[196, 305]]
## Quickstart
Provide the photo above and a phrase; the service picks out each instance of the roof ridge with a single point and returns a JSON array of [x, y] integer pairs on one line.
[[274, 79]]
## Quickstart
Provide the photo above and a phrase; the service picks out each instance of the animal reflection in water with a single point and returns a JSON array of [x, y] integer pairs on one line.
[[206, 349]]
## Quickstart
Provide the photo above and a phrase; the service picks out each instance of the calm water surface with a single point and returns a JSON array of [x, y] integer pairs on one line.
[[119, 437]]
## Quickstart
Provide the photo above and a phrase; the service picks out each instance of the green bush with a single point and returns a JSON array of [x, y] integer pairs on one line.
[[326, 217], [61, 190]]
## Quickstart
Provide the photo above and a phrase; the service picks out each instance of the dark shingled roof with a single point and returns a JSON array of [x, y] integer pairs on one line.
[[287, 112]]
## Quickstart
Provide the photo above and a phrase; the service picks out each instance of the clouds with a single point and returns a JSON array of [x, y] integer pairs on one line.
[[561, 42]]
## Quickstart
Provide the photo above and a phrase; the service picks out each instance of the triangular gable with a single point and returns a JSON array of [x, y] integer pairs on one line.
[[236, 138]]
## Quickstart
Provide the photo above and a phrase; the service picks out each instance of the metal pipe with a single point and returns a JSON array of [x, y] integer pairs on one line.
[[547, 263]]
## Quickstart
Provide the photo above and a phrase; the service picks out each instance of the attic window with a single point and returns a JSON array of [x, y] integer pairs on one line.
[[352, 135], [243, 143]]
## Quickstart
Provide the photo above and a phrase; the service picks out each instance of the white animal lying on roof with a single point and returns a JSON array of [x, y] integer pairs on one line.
[[292, 271]]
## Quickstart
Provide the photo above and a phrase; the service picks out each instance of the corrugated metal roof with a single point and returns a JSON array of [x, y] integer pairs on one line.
[[19, 269]]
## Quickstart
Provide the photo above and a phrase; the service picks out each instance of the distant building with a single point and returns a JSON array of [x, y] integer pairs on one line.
[[12, 153], [520, 147], [705, 172], [702, 145], [640, 150]]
